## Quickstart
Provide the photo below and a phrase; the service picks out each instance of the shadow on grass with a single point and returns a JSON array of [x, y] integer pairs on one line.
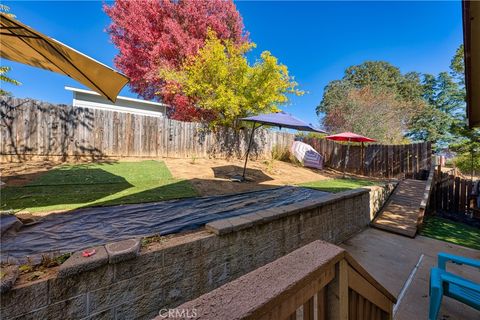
[[450, 231], [174, 190], [185, 189], [63, 187], [71, 187]]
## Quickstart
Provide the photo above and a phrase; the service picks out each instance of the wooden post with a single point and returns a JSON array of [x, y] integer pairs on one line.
[[363, 158], [322, 304], [463, 196], [308, 307], [387, 162], [346, 159], [343, 289]]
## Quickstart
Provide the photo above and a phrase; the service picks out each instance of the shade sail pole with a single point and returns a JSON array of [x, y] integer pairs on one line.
[[248, 149]]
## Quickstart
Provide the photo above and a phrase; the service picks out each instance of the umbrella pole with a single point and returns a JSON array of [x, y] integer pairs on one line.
[[346, 159], [248, 150]]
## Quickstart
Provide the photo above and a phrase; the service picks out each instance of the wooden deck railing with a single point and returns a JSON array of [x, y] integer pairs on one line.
[[366, 298], [317, 281], [428, 191]]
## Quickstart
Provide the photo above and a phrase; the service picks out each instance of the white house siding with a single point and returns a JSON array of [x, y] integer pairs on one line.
[[90, 99]]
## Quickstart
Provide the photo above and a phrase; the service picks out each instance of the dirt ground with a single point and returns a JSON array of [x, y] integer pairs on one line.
[[212, 176], [208, 176], [20, 173]]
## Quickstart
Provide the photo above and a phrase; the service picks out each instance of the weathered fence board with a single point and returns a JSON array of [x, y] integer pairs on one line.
[[30, 127], [376, 160], [451, 195], [33, 128]]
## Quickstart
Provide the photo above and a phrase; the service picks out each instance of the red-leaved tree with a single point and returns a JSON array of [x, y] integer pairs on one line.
[[158, 34]]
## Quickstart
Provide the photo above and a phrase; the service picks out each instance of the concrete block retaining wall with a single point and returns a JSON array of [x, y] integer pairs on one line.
[[183, 267]]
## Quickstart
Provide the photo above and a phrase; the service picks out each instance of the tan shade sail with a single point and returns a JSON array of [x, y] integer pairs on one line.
[[21, 43]]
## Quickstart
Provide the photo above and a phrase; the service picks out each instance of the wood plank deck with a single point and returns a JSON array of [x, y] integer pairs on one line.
[[402, 212]]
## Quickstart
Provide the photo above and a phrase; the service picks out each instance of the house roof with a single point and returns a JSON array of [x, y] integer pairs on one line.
[[471, 39], [118, 98]]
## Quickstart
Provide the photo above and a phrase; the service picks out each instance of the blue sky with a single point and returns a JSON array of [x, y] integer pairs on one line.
[[316, 40]]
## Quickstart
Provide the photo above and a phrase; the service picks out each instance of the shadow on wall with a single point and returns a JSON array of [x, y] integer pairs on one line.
[[31, 128], [46, 130], [231, 143]]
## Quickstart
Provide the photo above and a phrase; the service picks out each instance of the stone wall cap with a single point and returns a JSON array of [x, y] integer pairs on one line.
[[225, 226], [9, 276], [77, 263], [122, 250]]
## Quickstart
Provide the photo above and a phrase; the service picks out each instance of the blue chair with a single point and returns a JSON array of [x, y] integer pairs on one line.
[[446, 283]]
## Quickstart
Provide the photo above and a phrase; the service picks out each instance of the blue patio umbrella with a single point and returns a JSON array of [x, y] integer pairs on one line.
[[279, 119]]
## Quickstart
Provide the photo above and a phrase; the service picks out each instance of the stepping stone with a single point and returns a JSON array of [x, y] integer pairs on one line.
[[8, 276], [77, 263], [123, 250]]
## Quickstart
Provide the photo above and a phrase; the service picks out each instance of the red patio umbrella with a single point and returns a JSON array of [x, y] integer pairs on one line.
[[350, 137]]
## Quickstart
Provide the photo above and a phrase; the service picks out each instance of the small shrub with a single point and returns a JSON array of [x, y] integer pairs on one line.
[[294, 161], [281, 153], [270, 165], [153, 239], [62, 258], [50, 261], [464, 163], [25, 268], [35, 275]]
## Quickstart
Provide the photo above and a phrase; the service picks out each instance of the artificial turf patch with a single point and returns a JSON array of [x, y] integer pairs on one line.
[[338, 185], [451, 231], [100, 184]]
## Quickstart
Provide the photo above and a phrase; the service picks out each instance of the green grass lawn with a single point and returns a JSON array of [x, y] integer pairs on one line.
[[338, 185], [451, 231], [102, 184]]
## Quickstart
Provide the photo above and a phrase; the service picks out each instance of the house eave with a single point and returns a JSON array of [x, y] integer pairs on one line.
[[471, 38]]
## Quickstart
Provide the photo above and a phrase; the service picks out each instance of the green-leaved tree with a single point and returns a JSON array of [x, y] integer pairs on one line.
[[373, 99], [4, 70], [220, 79]]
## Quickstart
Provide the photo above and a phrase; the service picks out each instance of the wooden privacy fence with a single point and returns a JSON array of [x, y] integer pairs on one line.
[[33, 128], [409, 160], [451, 194]]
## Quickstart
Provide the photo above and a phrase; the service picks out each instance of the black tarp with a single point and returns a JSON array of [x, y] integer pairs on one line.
[[83, 228]]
